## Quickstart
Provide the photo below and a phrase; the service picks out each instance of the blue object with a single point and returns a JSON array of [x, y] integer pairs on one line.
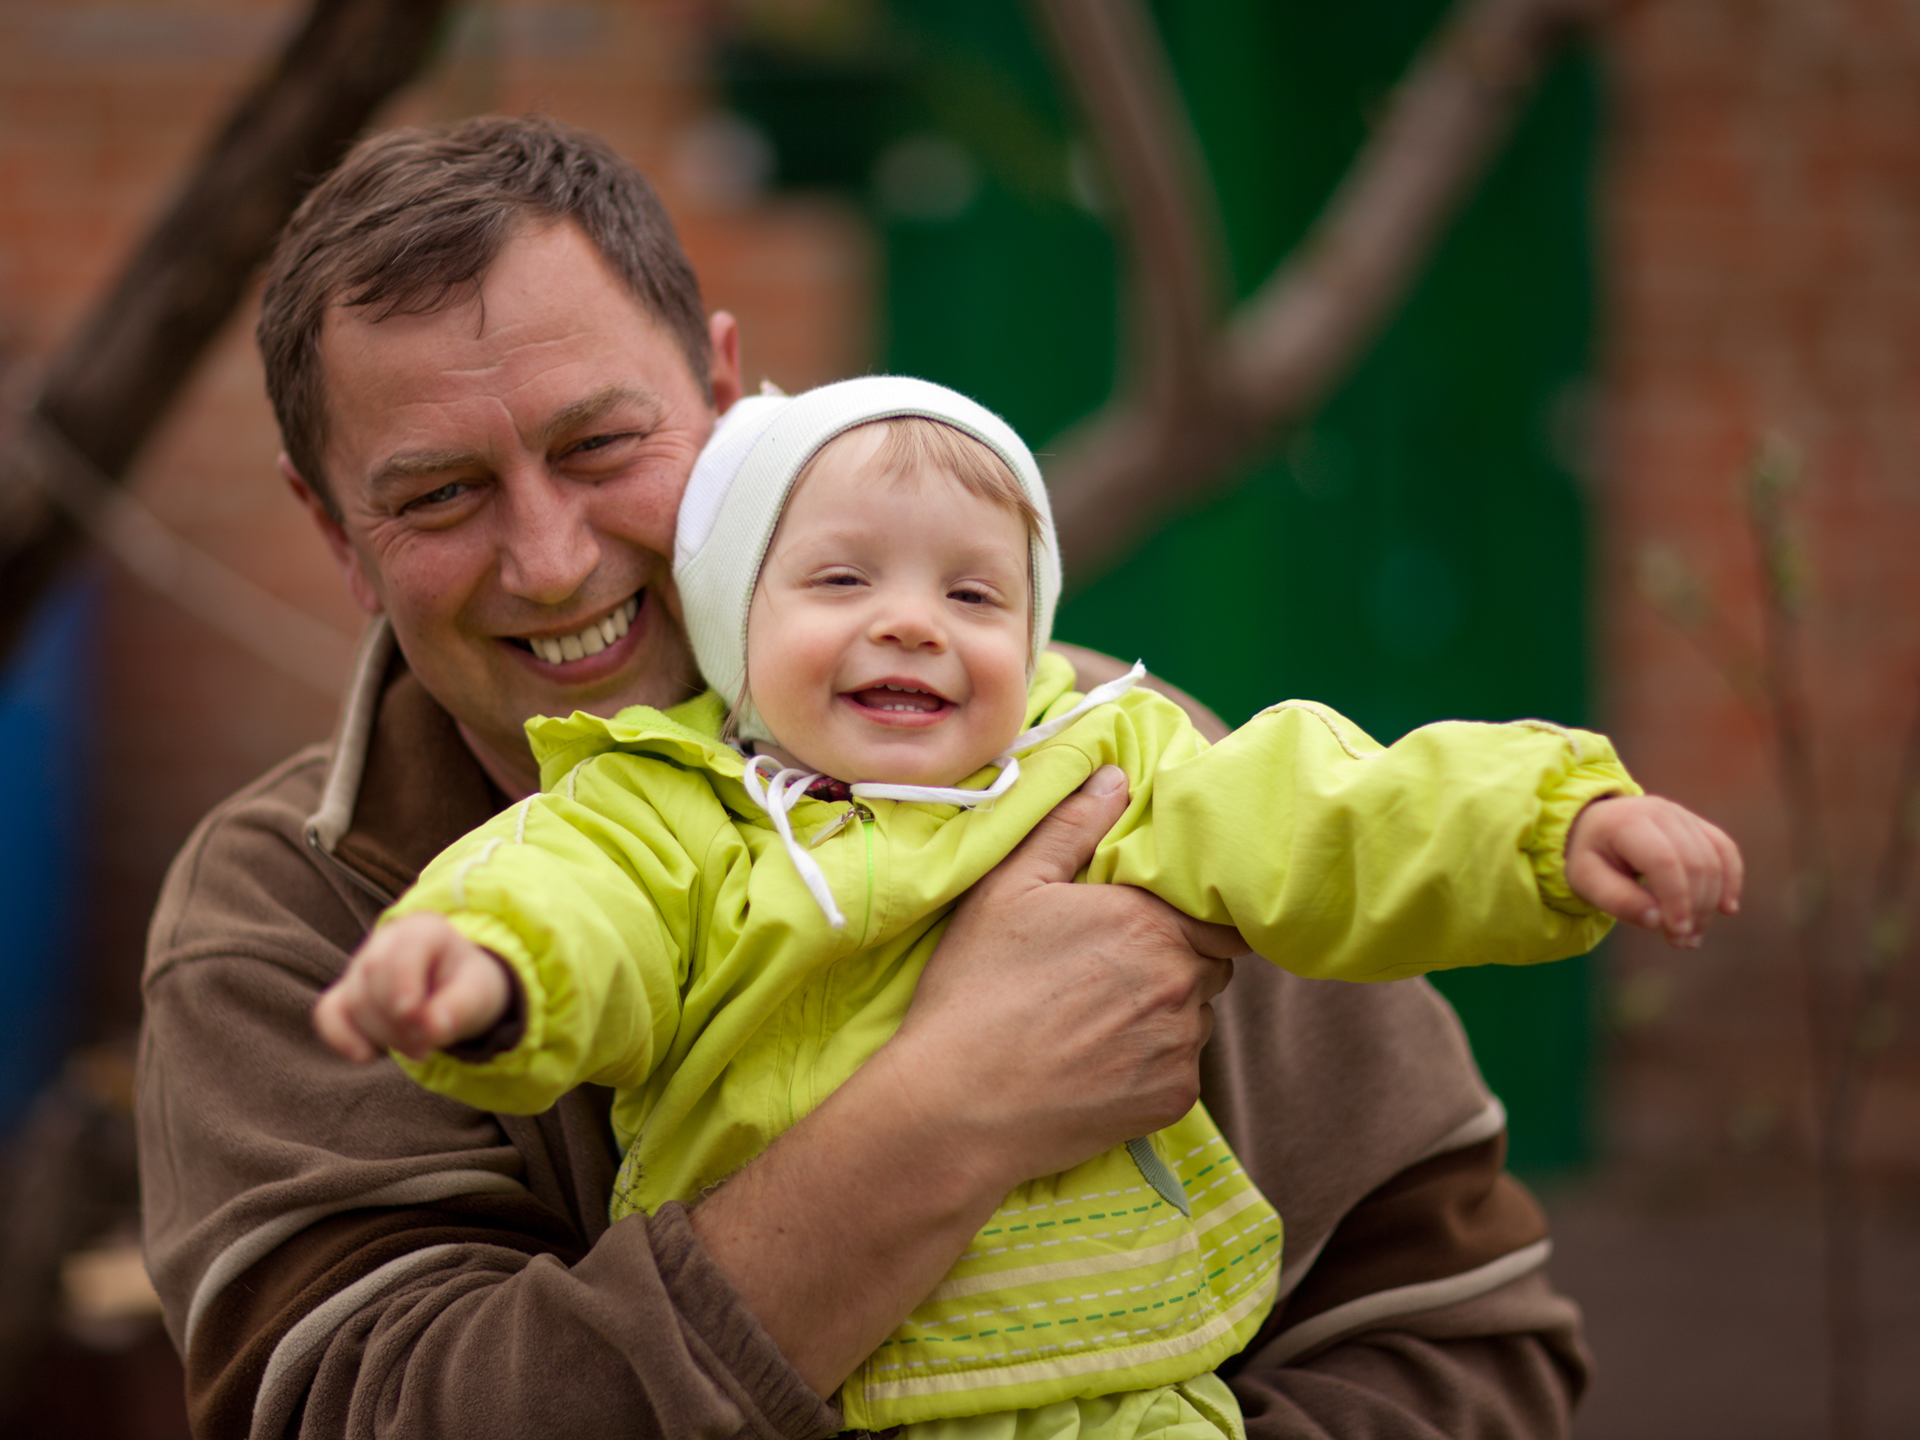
[[46, 724]]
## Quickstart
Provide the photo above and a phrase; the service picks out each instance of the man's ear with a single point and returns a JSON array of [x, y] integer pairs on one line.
[[724, 376], [335, 534]]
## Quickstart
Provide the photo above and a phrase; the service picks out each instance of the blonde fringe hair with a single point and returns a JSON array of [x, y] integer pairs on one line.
[[914, 443]]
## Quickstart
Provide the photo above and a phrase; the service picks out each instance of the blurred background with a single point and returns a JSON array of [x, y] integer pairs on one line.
[[1623, 431]]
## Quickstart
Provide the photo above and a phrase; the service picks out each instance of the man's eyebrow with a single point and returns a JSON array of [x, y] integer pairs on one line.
[[410, 464], [406, 465], [609, 397]]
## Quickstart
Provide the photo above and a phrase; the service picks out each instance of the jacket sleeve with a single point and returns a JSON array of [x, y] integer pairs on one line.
[[1339, 858], [1414, 1301], [562, 888], [340, 1253]]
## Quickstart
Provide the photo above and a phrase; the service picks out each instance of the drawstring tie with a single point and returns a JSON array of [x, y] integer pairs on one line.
[[785, 788]]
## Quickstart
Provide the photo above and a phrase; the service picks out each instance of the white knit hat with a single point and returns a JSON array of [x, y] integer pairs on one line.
[[740, 487]]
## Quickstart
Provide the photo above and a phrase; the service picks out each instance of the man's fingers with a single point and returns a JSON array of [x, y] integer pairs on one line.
[[1060, 846], [1216, 942]]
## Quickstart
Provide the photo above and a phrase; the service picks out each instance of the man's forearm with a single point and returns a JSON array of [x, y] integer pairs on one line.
[[843, 1226]]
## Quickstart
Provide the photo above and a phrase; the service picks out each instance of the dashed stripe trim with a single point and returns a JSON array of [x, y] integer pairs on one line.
[[1224, 1212], [1074, 1366], [240, 1256], [1063, 1270], [1406, 1300]]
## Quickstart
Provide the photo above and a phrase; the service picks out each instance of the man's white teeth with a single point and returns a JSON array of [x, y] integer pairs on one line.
[[590, 641]]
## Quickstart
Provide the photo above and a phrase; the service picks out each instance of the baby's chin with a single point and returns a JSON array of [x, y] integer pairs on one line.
[[891, 770]]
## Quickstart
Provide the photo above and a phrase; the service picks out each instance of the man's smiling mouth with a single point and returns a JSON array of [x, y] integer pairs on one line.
[[590, 641]]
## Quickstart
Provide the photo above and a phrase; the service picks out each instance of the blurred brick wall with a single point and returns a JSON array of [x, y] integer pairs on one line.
[[1762, 253], [102, 105]]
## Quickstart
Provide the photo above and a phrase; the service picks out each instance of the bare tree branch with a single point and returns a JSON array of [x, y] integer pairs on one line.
[[1158, 446], [1178, 266], [115, 378]]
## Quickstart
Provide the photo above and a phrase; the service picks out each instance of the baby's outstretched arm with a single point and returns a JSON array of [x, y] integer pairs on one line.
[[1655, 864], [416, 986]]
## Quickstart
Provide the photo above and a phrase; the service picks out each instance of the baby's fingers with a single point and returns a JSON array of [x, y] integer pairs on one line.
[[338, 1024], [1683, 873], [470, 994], [1733, 868], [1614, 892]]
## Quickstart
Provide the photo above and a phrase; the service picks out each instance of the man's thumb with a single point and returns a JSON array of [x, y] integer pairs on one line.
[[1060, 846]]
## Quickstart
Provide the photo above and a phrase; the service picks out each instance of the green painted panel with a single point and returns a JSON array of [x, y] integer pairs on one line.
[[1417, 550]]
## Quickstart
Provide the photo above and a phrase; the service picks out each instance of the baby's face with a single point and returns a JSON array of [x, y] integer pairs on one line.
[[888, 637]]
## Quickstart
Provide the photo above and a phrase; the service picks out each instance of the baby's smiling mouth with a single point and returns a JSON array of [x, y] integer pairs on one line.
[[897, 697]]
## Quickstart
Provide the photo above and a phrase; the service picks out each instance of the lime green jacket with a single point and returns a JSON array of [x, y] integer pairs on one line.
[[667, 947]]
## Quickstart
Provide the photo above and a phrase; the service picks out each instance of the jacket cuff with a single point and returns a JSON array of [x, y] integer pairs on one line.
[[1595, 774], [704, 1298]]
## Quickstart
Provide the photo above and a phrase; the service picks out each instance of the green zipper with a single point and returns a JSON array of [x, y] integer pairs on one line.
[[866, 829]]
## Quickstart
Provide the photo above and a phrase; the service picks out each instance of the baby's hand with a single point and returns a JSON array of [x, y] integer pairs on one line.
[[1623, 847], [416, 986]]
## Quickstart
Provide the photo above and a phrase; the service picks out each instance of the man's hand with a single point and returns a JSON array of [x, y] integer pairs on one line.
[[1655, 864], [1069, 1017], [416, 986], [1053, 1022]]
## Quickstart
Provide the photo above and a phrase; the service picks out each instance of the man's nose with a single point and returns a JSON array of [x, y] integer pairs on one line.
[[549, 546]]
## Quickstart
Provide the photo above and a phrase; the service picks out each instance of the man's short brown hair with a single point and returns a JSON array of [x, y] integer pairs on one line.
[[411, 219]]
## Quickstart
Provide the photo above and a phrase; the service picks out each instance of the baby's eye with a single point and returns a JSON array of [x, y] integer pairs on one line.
[[970, 595], [839, 577]]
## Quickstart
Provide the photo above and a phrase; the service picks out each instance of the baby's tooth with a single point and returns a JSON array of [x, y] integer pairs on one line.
[[592, 641], [571, 648]]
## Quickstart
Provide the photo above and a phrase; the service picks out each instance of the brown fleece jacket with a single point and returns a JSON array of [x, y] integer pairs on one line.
[[341, 1253]]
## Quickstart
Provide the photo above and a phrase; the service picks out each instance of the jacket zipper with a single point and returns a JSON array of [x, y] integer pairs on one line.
[[866, 830]]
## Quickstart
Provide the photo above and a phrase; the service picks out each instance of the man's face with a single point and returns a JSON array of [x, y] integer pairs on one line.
[[508, 470]]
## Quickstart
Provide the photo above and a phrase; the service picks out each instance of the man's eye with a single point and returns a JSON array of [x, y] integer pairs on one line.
[[441, 494], [595, 442]]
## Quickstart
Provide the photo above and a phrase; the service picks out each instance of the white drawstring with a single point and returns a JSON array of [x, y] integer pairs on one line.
[[789, 787], [786, 791], [942, 794], [1099, 695]]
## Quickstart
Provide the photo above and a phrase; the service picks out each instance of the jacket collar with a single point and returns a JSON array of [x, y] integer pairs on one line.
[[401, 784]]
